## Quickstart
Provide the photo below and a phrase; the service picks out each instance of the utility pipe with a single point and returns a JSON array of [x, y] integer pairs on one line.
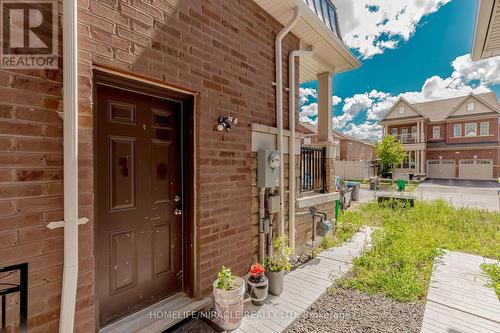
[[291, 149], [70, 128], [262, 220], [279, 110]]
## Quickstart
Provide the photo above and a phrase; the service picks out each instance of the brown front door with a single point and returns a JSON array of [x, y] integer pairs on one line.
[[139, 232]]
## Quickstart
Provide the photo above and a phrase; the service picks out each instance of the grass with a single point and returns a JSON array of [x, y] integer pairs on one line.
[[400, 262], [493, 271]]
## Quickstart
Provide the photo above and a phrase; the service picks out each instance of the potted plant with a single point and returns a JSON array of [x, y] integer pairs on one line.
[[277, 264], [257, 284], [228, 291]]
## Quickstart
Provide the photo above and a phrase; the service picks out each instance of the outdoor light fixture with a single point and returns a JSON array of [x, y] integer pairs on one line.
[[475, 156], [225, 123], [440, 156]]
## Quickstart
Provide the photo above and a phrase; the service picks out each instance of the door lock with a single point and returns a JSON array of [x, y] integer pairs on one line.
[[177, 212], [177, 198]]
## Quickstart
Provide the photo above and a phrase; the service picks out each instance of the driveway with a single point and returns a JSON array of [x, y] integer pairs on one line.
[[461, 193]]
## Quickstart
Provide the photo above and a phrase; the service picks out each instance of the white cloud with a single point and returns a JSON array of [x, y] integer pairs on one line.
[[372, 26], [352, 107], [306, 93], [336, 100], [486, 71], [367, 130], [309, 112]]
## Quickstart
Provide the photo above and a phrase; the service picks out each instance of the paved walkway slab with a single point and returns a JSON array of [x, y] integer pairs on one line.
[[303, 287], [458, 300]]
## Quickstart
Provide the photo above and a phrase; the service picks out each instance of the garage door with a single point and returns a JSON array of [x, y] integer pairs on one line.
[[475, 169], [441, 169]]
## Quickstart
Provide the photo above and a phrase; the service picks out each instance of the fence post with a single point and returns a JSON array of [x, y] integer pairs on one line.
[[323, 171]]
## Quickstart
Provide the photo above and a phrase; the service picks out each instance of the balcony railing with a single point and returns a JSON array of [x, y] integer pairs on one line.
[[327, 12], [407, 138], [313, 169], [14, 280]]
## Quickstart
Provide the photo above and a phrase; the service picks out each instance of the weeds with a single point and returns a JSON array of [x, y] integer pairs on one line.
[[493, 271], [400, 262]]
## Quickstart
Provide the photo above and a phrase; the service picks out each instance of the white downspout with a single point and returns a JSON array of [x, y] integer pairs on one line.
[[291, 150], [279, 110], [70, 128]]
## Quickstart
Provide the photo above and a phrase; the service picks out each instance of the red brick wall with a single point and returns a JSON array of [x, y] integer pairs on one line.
[[224, 50], [489, 154], [442, 130], [492, 137]]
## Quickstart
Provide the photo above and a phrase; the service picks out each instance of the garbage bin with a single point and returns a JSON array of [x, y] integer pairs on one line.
[[401, 183], [374, 183], [355, 186]]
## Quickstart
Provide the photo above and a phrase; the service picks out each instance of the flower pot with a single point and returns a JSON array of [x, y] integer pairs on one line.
[[257, 288], [229, 304], [275, 282]]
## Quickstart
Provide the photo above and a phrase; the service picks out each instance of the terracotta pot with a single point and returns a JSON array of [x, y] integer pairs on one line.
[[275, 282]]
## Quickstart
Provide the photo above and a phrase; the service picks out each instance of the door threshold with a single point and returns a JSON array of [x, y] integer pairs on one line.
[[159, 316]]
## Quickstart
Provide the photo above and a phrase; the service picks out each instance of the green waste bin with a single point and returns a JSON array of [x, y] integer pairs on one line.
[[337, 209], [401, 183]]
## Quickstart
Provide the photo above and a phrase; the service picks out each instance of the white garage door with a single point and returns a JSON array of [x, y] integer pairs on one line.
[[475, 169], [441, 169]]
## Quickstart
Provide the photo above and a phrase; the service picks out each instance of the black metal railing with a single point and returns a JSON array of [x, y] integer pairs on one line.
[[9, 287], [313, 169], [327, 13]]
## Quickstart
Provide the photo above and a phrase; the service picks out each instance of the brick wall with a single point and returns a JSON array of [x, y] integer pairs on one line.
[[492, 137], [224, 50]]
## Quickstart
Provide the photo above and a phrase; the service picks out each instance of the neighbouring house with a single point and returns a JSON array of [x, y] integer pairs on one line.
[[454, 138], [352, 149], [354, 158], [486, 31], [150, 92]]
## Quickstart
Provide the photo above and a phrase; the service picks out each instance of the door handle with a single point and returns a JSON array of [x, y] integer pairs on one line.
[[177, 212]]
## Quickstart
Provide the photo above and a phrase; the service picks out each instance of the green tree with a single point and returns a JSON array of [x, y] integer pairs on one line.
[[390, 152]]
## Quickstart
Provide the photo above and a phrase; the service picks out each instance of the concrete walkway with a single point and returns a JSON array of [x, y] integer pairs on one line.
[[303, 286], [458, 300]]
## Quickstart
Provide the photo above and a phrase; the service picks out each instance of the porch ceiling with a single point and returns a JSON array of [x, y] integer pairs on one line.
[[330, 53], [486, 41]]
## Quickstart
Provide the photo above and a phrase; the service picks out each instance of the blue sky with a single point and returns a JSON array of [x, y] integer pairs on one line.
[[424, 58]]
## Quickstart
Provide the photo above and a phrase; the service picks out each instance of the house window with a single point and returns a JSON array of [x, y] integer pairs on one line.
[[485, 128], [402, 110], [394, 132], [471, 129], [457, 130], [349, 146], [471, 107], [436, 132]]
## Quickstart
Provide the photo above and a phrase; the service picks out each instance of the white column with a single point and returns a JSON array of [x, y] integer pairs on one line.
[[422, 132], [324, 106], [422, 161], [417, 161], [418, 131]]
